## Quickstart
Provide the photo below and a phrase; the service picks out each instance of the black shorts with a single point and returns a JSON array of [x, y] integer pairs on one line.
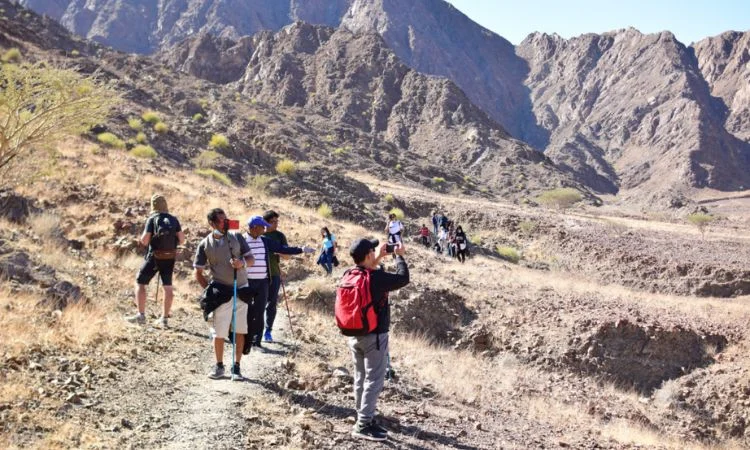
[[151, 266]]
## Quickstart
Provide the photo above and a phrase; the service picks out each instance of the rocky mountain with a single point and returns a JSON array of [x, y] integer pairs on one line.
[[723, 60], [627, 110], [357, 80], [619, 111]]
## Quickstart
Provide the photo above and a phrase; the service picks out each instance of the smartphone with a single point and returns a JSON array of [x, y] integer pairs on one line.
[[389, 248], [233, 224]]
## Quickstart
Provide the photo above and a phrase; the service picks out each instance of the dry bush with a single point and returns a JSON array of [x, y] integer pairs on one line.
[[46, 225], [141, 138], [701, 221], [509, 254], [216, 175], [259, 183], [207, 159], [135, 123], [161, 127], [218, 141], [398, 212], [286, 167], [561, 198], [11, 56], [151, 117], [144, 151]]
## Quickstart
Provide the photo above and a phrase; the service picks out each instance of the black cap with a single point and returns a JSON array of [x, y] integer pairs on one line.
[[361, 247]]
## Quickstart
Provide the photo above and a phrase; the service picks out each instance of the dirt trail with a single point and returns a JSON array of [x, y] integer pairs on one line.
[[167, 401]]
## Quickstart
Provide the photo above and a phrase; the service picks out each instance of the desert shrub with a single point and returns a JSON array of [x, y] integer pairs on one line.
[[141, 138], [207, 159], [75, 53], [11, 56], [528, 227], [215, 174], [64, 103], [197, 117], [398, 212], [286, 167], [340, 151], [110, 140], [144, 151], [509, 254], [398, 167], [161, 127], [151, 117], [330, 138], [561, 198], [389, 198], [135, 123], [325, 211], [259, 183], [701, 221], [46, 225], [475, 239], [438, 180], [218, 141]]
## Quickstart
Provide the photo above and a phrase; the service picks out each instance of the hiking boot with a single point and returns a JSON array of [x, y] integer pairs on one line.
[[236, 375], [369, 431], [259, 347], [217, 372], [139, 318], [161, 322], [267, 336]]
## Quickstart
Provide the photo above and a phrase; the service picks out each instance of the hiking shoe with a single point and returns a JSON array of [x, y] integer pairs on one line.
[[369, 431], [161, 322], [236, 375], [139, 318], [267, 336], [217, 372]]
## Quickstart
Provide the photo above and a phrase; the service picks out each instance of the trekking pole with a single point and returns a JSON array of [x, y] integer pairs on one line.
[[286, 303], [156, 296], [234, 313]]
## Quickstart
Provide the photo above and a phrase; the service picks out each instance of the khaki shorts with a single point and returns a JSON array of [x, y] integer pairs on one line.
[[222, 320]]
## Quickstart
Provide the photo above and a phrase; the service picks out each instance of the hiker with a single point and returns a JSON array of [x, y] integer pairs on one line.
[[226, 254], [461, 244], [394, 229], [435, 222], [259, 274], [424, 235], [328, 250], [443, 221], [272, 232], [162, 234], [443, 239], [451, 244], [369, 346]]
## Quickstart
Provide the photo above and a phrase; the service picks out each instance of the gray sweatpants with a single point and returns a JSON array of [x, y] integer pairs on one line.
[[369, 372]]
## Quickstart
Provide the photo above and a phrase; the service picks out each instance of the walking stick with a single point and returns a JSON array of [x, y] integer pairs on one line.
[[286, 303], [234, 313], [156, 296]]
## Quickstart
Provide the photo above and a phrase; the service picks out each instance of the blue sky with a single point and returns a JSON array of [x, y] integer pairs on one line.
[[689, 20]]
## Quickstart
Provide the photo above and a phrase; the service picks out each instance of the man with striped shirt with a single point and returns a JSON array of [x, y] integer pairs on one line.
[[259, 276]]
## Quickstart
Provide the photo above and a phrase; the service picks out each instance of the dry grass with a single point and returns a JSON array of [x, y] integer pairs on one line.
[[45, 225]]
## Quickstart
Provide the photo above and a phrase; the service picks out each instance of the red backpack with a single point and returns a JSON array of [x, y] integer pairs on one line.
[[355, 311]]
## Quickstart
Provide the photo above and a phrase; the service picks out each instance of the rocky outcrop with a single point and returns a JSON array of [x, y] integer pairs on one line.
[[621, 122], [723, 60]]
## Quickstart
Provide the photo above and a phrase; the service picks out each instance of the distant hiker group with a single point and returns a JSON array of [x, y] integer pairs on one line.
[[240, 275]]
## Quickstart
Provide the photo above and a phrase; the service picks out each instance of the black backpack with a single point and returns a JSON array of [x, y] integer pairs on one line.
[[165, 232]]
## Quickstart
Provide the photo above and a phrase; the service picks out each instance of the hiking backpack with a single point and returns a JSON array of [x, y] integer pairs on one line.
[[165, 232], [354, 309]]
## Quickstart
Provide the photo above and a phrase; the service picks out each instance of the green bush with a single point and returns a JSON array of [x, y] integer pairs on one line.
[[398, 167], [75, 53], [197, 117], [151, 117], [218, 141], [286, 167], [438, 180], [398, 212], [389, 198], [135, 123], [340, 151], [11, 56], [701, 221], [475, 239], [215, 174], [144, 151], [527, 227], [141, 138], [561, 198], [110, 140], [325, 211], [509, 254], [207, 159], [161, 127], [259, 183]]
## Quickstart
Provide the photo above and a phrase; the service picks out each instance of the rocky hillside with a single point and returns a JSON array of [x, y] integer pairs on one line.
[[723, 60], [357, 80], [622, 121]]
